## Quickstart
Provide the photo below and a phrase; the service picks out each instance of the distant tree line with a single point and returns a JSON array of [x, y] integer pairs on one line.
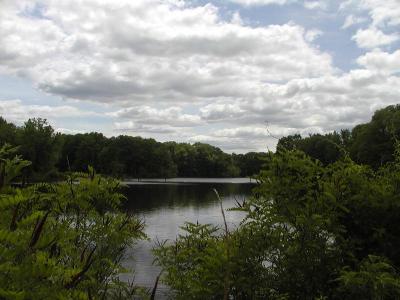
[[121, 156], [135, 157], [372, 143]]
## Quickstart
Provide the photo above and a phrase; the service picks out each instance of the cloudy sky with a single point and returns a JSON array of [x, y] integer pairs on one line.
[[235, 73]]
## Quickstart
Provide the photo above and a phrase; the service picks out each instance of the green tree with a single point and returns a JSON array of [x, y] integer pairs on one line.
[[310, 232], [63, 241], [374, 279], [40, 145], [327, 148], [80, 150], [250, 164], [374, 142], [7, 132]]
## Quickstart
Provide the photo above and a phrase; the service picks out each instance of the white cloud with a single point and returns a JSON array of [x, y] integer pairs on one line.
[[316, 4], [16, 111], [352, 20], [313, 34], [220, 111], [237, 19], [382, 13], [261, 2], [172, 116], [384, 19], [381, 61], [68, 131], [133, 127], [237, 145], [150, 50], [174, 71], [372, 37], [313, 104]]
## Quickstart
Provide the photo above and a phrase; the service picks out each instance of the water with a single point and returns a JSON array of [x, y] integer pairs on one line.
[[165, 207], [188, 180]]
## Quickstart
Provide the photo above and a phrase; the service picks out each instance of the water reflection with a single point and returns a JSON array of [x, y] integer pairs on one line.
[[147, 197], [165, 207]]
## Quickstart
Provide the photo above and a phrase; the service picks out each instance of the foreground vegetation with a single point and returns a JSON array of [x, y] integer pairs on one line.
[[319, 226], [310, 232], [65, 240], [323, 224]]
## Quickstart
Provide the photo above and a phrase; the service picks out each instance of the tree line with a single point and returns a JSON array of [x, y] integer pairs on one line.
[[53, 153], [313, 229], [371, 144]]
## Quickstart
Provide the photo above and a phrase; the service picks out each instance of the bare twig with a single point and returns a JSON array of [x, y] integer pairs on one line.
[[222, 212], [154, 291], [38, 230], [227, 241], [270, 134]]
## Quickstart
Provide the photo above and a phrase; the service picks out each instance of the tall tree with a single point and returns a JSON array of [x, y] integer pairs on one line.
[[40, 145], [373, 142], [7, 132]]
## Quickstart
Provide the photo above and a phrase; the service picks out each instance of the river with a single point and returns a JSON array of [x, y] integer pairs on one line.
[[165, 206]]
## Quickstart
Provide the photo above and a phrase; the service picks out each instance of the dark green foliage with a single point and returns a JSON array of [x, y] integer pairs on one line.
[[198, 263], [202, 160], [375, 278], [290, 142], [373, 143], [40, 145], [81, 150], [326, 148], [136, 157], [7, 132], [311, 232], [65, 240], [122, 156], [250, 163]]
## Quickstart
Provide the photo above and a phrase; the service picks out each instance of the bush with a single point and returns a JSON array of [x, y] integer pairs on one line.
[[65, 240], [311, 232]]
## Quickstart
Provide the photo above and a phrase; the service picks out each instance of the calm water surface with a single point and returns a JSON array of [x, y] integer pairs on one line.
[[164, 207]]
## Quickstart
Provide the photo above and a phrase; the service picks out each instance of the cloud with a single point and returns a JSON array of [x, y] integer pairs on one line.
[[382, 13], [68, 131], [220, 111], [320, 4], [148, 50], [313, 34], [236, 145], [383, 17], [130, 126], [381, 61], [16, 111], [261, 2], [372, 37], [310, 105], [352, 20], [172, 116], [176, 71]]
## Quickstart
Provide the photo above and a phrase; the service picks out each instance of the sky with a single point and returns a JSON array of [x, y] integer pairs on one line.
[[237, 74]]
